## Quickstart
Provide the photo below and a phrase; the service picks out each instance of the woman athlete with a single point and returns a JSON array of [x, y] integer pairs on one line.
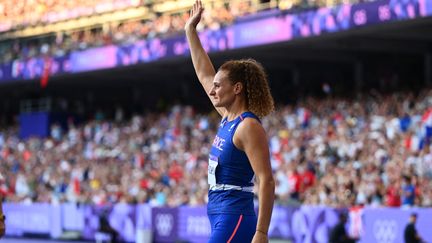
[[240, 93]]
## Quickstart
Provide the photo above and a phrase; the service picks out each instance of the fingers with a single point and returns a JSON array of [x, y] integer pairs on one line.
[[197, 7], [200, 6], [199, 3]]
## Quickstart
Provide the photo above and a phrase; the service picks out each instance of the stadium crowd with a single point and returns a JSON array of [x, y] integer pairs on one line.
[[27, 13], [370, 150], [119, 33]]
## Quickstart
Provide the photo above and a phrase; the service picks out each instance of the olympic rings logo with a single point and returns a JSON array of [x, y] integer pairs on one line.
[[385, 231], [164, 224]]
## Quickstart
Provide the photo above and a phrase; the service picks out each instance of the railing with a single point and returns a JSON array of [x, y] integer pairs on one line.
[[190, 224]]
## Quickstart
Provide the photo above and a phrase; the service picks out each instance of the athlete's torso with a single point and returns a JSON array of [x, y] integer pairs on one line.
[[229, 166]]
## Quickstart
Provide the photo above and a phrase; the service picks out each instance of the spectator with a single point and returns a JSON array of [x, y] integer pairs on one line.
[[410, 232], [408, 192], [105, 227], [338, 233], [393, 194]]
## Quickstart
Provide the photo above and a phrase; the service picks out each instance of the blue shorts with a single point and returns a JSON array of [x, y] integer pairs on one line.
[[232, 228]]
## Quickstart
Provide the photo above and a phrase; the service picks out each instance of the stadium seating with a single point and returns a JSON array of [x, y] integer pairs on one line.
[[318, 156], [58, 27]]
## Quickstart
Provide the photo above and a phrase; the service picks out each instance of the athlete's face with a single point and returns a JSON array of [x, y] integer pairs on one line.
[[223, 91]]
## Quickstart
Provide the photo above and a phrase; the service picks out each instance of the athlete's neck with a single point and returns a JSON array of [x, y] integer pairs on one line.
[[234, 113], [238, 107]]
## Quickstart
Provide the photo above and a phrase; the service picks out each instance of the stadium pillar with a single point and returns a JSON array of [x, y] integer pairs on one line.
[[428, 68], [358, 74]]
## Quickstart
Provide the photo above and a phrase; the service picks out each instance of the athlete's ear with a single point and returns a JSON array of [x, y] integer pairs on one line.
[[238, 87]]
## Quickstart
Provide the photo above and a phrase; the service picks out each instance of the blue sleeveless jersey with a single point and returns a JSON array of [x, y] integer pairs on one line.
[[233, 168]]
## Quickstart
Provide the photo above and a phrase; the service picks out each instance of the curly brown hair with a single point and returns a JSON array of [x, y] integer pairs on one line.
[[253, 77]]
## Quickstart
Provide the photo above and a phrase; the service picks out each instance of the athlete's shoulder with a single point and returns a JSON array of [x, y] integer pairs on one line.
[[250, 123], [249, 131]]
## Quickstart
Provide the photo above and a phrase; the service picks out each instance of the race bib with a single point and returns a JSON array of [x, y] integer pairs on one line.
[[213, 163]]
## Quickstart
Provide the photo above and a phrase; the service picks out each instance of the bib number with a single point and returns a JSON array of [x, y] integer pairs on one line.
[[213, 163]]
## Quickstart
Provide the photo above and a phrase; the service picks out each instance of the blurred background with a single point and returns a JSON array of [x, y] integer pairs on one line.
[[105, 129]]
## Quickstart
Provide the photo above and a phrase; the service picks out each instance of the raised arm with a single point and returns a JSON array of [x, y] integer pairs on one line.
[[202, 64]]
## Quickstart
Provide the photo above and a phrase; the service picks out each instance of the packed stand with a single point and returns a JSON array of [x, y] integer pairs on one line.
[[218, 14], [25, 13], [373, 150]]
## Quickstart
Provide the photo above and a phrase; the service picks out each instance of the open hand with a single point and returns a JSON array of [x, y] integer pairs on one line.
[[195, 15]]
